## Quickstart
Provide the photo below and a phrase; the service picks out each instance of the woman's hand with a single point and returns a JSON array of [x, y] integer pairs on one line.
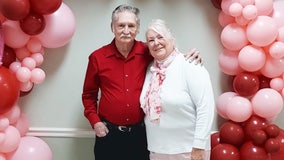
[[194, 55]]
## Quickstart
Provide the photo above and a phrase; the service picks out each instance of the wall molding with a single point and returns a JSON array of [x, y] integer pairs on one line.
[[60, 132]]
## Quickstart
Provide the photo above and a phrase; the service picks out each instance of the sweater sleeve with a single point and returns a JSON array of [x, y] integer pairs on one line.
[[201, 91]]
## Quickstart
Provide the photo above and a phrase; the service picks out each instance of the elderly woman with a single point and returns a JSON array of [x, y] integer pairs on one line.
[[177, 98]]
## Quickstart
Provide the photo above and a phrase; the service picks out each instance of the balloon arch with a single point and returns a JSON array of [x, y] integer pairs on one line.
[[253, 55], [26, 28]]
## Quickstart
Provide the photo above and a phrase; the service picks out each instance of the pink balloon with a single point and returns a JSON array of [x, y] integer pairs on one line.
[[280, 36], [55, 34], [225, 5], [31, 148], [235, 9], [13, 114], [38, 57], [277, 84], [267, 103], [2, 156], [229, 63], [251, 58], [222, 103], [22, 53], [273, 67], [262, 31], [233, 37], [22, 124], [4, 123], [276, 49], [26, 86], [241, 20], [23, 74], [34, 45], [11, 141], [278, 13], [225, 19], [38, 76], [239, 109], [14, 37], [14, 66], [264, 7], [29, 63], [249, 12]]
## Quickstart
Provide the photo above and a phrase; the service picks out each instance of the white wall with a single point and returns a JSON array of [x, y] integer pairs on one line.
[[54, 107]]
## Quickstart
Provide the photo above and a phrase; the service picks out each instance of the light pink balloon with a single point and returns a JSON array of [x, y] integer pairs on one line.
[[13, 34], [225, 19], [273, 67], [233, 37], [277, 84], [4, 123], [23, 74], [267, 103], [280, 36], [29, 63], [38, 76], [276, 49], [38, 57], [249, 12], [241, 20], [59, 29], [34, 45], [235, 9], [222, 103], [23, 124], [262, 31], [239, 109], [14, 66], [3, 156], [229, 63], [264, 7], [251, 58], [246, 2], [13, 114], [26, 86], [12, 140], [278, 13], [225, 5], [31, 148]]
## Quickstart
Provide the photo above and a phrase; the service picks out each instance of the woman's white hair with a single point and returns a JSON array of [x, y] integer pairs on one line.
[[160, 27]]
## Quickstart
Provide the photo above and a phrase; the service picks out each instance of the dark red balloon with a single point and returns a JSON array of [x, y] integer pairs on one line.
[[33, 23], [217, 3], [232, 133], [15, 9], [259, 137], [264, 82], [215, 139], [225, 152], [246, 84], [9, 89], [45, 6], [252, 124], [9, 56], [272, 145], [280, 154], [272, 130], [249, 151]]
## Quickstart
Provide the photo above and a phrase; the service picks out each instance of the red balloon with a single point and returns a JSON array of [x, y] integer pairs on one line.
[[9, 56], [264, 82], [33, 23], [225, 152], [249, 151], [215, 139], [246, 84], [258, 137], [252, 124], [15, 9], [272, 130], [272, 145], [217, 3], [280, 154], [9, 89], [45, 6], [231, 129]]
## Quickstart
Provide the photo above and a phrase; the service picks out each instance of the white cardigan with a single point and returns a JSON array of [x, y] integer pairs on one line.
[[187, 109]]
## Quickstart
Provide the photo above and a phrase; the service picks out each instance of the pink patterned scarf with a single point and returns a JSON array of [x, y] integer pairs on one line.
[[152, 106]]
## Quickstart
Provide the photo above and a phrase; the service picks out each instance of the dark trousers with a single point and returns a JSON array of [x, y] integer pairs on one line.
[[122, 145]]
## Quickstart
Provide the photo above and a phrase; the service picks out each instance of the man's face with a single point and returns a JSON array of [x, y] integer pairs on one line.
[[125, 28]]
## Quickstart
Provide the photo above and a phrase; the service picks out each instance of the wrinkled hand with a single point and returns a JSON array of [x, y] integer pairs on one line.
[[194, 55], [197, 154], [100, 129]]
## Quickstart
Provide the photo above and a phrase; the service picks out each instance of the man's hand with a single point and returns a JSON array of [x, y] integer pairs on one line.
[[194, 55], [100, 129], [197, 154]]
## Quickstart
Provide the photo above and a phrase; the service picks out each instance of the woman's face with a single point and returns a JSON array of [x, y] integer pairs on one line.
[[159, 46]]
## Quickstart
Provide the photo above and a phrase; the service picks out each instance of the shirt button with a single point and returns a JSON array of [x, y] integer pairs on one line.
[[127, 105], [127, 119], [126, 75], [127, 90]]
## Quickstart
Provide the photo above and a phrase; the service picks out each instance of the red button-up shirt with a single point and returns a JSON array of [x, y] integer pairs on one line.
[[119, 80]]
